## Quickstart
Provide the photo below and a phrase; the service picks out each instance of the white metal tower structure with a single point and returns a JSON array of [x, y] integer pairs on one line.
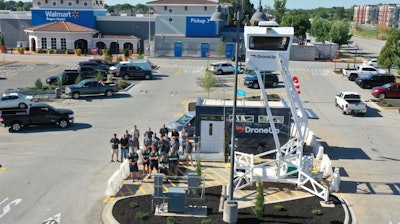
[[268, 49]]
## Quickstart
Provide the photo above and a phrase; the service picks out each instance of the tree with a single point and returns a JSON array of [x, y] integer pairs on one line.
[[279, 10], [390, 53], [340, 32], [208, 82], [258, 208], [220, 49], [299, 20], [320, 29]]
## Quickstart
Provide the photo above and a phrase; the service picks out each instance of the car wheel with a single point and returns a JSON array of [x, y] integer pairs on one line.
[[220, 72], [381, 95], [274, 84], [16, 126], [22, 106], [352, 77], [126, 77], [76, 95], [256, 86], [147, 76], [109, 93], [63, 123]]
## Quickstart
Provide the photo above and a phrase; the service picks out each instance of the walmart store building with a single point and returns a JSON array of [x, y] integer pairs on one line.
[[176, 28]]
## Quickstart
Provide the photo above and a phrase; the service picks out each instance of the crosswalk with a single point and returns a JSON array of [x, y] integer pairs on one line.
[[215, 174]]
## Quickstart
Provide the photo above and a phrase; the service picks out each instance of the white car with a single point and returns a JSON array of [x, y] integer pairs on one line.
[[372, 62], [220, 68], [15, 100]]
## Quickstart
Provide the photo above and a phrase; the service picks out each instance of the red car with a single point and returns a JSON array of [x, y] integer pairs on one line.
[[389, 90]]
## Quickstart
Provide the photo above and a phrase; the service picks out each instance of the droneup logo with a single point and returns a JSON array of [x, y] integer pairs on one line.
[[253, 130], [263, 56]]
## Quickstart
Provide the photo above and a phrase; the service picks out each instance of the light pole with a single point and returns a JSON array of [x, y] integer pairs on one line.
[[99, 44], [230, 206]]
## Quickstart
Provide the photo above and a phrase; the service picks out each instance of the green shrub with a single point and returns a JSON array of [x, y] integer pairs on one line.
[[133, 204], [316, 212], [37, 51], [141, 215], [170, 221], [126, 52], [258, 209], [279, 208], [99, 76], [78, 79], [206, 221], [123, 84], [54, 51], [66, 51], [38, 83], [140, 56], [48, 51]]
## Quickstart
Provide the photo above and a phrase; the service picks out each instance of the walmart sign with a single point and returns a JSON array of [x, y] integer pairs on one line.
[[200, 26], [83, 18]]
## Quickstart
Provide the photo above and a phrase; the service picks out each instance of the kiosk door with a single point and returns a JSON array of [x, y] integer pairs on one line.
[[212, 136]]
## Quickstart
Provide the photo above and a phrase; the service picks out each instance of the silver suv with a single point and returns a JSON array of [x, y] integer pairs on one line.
[[220, 68]]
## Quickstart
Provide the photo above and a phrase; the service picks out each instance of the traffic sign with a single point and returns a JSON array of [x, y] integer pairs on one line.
[[94, 50], [208, 54], [337, 53]]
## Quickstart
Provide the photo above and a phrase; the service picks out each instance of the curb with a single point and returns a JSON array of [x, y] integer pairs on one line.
[[349, 214], [107, 216]]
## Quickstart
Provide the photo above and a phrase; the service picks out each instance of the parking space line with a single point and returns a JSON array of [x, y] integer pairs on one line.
[[27, 142], [55, 68], [305, 74], [179, 71], [17, 154], [3, 169], [221, 177]]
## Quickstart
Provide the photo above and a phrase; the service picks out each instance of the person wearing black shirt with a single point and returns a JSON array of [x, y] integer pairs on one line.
[[163, 131], [153, 159], [133, 158], [114, 141]]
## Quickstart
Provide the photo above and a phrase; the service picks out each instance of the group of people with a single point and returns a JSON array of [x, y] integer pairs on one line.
[[158, 153]]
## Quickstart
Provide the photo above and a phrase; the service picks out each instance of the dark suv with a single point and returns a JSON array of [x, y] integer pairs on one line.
[[270, 79], [375, 80], [68, 77], [94, 64], [129, 71], [91, 72]]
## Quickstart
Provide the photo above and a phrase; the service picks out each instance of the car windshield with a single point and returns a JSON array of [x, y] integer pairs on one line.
[[184, 119], [81, 83], [387, 85]]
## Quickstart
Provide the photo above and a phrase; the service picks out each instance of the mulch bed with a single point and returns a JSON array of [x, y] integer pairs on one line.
[[295, 211]]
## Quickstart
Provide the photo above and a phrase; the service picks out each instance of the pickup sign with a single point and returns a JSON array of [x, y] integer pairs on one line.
[[350, 103], [37, 114], [362, 71], [88, 87]]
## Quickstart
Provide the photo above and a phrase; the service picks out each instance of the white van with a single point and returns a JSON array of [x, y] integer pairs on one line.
[[143, 63]]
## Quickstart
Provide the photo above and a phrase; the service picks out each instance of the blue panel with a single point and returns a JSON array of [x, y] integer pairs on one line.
[[178, 49], [83, 18], [204, 49], [230, 50], [200, 26]]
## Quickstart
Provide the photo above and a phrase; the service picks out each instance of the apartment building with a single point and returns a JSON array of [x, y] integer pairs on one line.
[[382, 15]]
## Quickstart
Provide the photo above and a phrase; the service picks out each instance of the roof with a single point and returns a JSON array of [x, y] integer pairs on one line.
[[182, 2], [243, 103], [118, 37], [61, 26]]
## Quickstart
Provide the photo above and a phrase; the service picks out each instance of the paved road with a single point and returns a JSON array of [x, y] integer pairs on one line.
[[49, 172]]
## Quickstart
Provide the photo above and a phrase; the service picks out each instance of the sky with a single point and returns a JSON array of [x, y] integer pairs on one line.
[[290, 4]]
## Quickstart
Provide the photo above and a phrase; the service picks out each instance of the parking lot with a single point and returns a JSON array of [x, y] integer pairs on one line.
[[66, 170]]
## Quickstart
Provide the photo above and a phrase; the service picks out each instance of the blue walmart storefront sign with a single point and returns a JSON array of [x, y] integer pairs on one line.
[[83, 18], [200, 26]]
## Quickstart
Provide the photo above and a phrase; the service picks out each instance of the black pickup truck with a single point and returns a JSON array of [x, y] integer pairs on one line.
[[37, 114]]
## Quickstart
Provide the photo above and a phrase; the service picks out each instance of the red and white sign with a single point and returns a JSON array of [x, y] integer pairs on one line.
[[337, 53], [94, 50], [208, 54]]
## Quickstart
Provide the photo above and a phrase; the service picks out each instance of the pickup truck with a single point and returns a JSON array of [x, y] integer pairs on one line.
[[350, 103], [362, 71], [89, 87], [36, 114]]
